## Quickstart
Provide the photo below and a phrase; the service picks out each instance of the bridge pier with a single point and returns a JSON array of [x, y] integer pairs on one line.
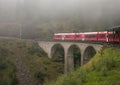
[[82, 58], [66, 62]]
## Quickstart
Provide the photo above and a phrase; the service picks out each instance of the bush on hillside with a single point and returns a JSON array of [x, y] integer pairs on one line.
[[40, 76], [35, 50]]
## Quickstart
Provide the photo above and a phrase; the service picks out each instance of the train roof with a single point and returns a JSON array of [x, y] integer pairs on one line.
[[90, 32], [75, 33], [64, 33]]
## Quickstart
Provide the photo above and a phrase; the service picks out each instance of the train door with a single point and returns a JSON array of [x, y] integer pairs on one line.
[[83, 38], [63, 37], [107, 39]]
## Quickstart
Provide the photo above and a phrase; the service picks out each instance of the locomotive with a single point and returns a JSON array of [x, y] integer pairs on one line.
[[110, 36]]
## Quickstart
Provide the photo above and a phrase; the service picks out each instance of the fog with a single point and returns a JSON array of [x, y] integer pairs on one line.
[[88, 14], [57, 8]]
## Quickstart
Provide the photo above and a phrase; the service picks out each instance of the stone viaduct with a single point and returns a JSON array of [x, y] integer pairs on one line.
[[85, 49]]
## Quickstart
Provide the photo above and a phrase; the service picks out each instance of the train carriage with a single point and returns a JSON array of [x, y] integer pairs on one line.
[[114, 34], [102, 36], [57, 36], [110, 36], [64, 36], [79, 37], [90, 36]]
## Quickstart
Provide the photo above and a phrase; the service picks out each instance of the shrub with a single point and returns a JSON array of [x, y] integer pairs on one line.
[[36, 51], [40, 76], [14, 81], [104, 64], [3, 65], [7, 69], [3, 52]]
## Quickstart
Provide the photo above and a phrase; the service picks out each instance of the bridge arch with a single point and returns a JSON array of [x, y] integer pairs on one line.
[[73, 57], [57, 52], [58, 55], [88, 54]]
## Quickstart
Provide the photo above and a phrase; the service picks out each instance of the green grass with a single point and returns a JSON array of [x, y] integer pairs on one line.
[[103, 69], [7, 69], [41, 67]]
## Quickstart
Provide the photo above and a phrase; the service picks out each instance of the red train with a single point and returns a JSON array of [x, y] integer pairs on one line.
[[105, 36]]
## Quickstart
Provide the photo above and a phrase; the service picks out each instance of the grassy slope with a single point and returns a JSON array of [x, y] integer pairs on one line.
[[41, 68], [7, 67], [103, 69]]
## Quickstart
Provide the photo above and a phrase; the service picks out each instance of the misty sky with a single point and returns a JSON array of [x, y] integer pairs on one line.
[[56, 8], [69, 15]]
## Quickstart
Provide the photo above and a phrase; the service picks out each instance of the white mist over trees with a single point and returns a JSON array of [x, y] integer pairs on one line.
[[41, 18]]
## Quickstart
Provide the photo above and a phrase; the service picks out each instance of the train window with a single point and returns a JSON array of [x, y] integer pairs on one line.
[[111, 35], [88, 36], [67, 36], [58, 36], [116, 34], [77, 36], [91, 36], [101, 35]]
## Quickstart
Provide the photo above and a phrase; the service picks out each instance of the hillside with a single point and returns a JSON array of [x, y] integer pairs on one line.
[[103, 69], [23, 62]]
